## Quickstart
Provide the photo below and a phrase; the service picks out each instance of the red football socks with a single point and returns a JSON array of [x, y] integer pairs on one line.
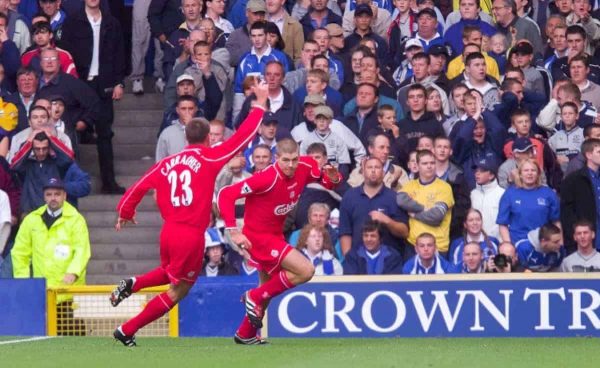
[[158, 306], [270, 289], [246, 330], [156, 277]]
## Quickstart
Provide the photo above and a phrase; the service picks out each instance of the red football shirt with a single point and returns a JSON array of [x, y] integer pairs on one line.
[[270, 196], [185, 182]]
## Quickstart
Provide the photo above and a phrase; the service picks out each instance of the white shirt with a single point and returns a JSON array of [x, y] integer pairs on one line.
[[276, 102], [95, 65], [278, 23], [5, 213], [223, 24]]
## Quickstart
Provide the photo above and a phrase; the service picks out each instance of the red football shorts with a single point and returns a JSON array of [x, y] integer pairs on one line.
[[268, 251], [181, 252]]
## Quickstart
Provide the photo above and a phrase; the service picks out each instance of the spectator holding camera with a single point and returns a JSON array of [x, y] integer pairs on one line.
[[506, 261], [542, 250], [587, 258]]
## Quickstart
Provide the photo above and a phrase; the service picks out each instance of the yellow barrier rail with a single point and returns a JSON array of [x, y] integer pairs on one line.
[[86, 311]]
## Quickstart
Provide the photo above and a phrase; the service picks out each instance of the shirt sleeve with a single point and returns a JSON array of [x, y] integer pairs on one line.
[[504, 208], [554, 206], [256, 184]]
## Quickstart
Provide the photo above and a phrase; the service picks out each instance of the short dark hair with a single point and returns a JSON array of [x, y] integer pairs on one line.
[[508, 83], [589, 144], [275, 62], [421, 56], [510, 68], [576, 29], [571, 105], [261, 146], [186, 98], [423, 153], [519, 112], [259, 25], [472, 56], [26, 70], [201, 44], [317, 147], [584, 222], [371, 139], [417, 87], [197, 130], [374, 87], [547, 230], [273, 29], [314, 59], [41, 136], [587, 131], [470, 28], [572, 89], [370, 226], [34, 108]]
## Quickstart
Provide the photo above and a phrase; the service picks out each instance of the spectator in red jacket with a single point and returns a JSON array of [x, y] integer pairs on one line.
[[43, 38]]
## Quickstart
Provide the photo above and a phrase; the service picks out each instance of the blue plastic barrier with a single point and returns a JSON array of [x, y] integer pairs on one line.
[[23, 307], [213, 308]]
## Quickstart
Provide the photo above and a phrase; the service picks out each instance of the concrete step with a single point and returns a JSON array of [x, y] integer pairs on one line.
[[120, 252], [128, 267], [147, 101], [105, 279], [122, 151], [101, 202], [122, 167], [109, 218], [134, 135], [129, 235], [123, 180], [147, 118]]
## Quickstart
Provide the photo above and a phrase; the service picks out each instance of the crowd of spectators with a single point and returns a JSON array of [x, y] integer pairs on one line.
[[467, 132]]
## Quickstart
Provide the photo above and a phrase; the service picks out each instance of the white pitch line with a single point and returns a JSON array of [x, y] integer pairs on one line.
[[26, 340]]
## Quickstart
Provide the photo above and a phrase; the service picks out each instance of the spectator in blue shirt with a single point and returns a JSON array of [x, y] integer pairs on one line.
[[542, 250], [427, 261], [527, 205], [372, 257], [474, 233], [371, 201]]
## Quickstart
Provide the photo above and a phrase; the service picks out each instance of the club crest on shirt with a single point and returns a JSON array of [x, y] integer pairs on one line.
[[541, 201], [246, 189], [292, 193], [191, 274], [274, 253]]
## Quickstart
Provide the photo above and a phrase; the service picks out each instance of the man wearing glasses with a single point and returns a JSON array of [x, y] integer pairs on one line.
[[515, 27]]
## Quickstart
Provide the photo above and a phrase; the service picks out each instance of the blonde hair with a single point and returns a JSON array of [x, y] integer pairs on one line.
[[520, 166]]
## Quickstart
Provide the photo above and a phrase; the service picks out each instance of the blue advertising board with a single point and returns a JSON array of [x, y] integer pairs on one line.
[[23, 307], [494, 305]]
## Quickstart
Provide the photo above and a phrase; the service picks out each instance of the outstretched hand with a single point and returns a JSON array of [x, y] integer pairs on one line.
[[121, 222]]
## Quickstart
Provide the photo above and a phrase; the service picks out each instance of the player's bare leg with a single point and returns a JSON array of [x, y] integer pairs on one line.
[[296, 270], [156, 308]]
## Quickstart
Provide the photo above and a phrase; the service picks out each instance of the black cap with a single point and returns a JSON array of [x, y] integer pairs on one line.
[[486, 164], [363, 9], [53, 98], [54, 183], [269, 118], [522, 144], [439, 50], [523, 48], [427, 11]]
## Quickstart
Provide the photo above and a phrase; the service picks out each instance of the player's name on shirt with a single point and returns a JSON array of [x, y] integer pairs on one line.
[[189, 161]]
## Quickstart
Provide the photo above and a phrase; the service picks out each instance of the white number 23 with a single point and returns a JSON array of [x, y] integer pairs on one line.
[[185, 179]]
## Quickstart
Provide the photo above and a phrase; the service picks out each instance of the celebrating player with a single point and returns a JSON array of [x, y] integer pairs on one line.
[[184, 184], [270, 195]]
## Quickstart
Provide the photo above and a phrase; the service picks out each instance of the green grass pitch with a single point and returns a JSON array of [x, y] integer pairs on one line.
[[290, 353]]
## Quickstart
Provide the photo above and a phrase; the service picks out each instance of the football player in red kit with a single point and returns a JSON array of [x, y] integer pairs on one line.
[[270, 195], [184, 185]]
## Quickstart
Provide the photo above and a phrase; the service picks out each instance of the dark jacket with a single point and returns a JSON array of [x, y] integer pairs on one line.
[[8, 185], [381, 45], [307, 24], [389, 262], [164, 16], [577, 202], [78, 183], [370, 123], [225, 269], [34, 174], [415, 129], [78, 39], [81, 102], [23, 123], [288, 116], [10, 57]]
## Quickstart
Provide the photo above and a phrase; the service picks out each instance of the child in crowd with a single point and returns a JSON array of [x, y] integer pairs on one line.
[[566, 143], [497, 49], [56, 112], [413, 168]]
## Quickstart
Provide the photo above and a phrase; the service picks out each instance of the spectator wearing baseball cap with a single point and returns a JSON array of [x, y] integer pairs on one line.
[[534, 80], [438, 60], [428, 33], [404, 70], [363, 21], [487, 193], [318, 16], [185, 86], [522, 149], [238, 42], [382, 19]]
